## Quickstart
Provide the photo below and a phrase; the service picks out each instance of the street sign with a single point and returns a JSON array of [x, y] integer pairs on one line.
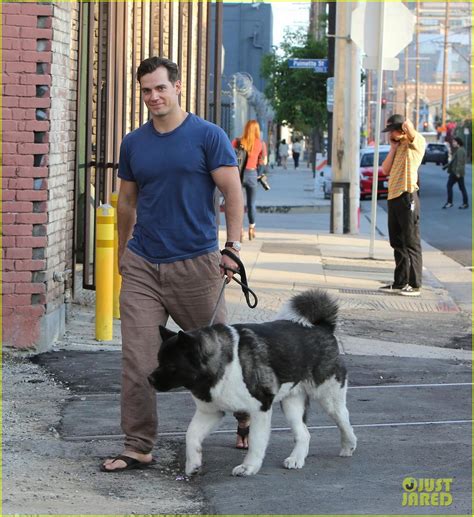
[[317, 65], [398, 27]]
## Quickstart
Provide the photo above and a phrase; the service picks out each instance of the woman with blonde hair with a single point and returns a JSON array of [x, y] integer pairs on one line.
[[256, 156]]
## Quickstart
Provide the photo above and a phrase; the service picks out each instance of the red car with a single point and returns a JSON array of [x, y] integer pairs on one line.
[[367, 170]]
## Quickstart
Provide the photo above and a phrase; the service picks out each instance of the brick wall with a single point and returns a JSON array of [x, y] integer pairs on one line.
[[36, 158]]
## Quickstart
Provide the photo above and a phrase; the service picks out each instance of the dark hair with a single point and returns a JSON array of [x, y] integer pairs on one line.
[[459, 141], [147, 66]]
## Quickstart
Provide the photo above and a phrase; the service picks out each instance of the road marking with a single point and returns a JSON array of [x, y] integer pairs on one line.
[[274, 429]]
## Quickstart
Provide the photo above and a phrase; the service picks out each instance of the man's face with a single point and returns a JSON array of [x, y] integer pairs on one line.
[[159, 94], [397, 135], [454, 144]]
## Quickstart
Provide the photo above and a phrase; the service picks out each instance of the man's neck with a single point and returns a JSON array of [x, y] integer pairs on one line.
[[170, 121]]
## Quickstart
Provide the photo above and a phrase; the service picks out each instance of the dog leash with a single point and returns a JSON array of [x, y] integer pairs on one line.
[[243, 283]]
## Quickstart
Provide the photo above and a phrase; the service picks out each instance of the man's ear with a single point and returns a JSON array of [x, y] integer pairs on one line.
[[166, 333]]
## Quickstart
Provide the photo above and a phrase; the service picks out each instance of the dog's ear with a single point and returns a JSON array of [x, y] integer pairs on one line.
[[166, 333], [185, 338]]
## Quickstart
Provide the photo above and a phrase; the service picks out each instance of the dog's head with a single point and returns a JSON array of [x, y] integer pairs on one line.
[[177, 360]]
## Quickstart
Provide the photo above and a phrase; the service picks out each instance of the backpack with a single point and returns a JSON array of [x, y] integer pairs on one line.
[[242, 156]]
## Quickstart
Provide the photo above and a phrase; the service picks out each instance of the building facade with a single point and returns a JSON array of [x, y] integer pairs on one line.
[[69, 95]]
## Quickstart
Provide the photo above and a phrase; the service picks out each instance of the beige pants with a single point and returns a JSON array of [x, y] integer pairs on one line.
[[186, 290]]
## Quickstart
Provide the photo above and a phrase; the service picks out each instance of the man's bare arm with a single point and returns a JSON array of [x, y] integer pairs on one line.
[[126, 213]]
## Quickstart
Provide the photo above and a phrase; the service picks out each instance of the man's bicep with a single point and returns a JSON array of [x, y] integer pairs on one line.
[[226, 178]]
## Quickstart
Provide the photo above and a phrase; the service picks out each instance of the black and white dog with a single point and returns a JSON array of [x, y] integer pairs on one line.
[[248, 367]]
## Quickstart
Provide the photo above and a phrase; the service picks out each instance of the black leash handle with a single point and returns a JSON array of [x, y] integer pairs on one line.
[[243, 275]]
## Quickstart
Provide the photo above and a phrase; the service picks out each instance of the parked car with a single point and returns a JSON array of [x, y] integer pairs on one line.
[[366, 173], [436, 153]]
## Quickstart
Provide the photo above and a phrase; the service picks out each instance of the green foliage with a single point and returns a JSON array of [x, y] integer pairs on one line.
[[297, 96], [460, 112]]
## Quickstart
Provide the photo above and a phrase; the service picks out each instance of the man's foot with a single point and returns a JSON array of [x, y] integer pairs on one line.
[[127, 461], [242, 435], [448, 205], [408, 290], [391, 288], [464, 206]]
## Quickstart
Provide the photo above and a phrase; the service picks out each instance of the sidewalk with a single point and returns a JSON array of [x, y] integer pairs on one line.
[[62, 417]]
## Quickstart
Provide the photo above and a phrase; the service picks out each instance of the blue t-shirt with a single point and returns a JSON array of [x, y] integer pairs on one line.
[[176, 219]]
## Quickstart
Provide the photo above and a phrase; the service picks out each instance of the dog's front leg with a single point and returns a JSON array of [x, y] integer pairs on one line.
[[205, 419], [260, 427]]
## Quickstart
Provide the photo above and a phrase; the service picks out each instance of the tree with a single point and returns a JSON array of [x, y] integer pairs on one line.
[[297, 96]]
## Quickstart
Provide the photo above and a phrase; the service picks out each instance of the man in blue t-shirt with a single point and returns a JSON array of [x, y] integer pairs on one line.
[[168, 241]]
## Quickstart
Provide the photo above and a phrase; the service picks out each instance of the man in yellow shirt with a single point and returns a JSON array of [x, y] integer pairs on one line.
[[407, 148]]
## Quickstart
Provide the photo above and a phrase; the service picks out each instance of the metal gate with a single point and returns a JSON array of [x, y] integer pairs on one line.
[[113, 38]]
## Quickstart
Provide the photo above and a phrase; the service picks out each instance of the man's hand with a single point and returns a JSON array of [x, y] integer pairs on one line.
[[394, 144], [228, 262], [409, 129]]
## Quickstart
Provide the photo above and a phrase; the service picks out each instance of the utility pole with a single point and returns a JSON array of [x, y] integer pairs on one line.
[[331, 51], [316, 28], [406, 82], [417, 64], [346, 126], [369, 106], [444, 95]]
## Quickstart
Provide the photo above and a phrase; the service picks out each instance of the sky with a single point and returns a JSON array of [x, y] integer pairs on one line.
[[288, 14]]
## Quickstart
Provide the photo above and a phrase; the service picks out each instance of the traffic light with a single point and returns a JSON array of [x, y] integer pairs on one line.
[[384, 103]]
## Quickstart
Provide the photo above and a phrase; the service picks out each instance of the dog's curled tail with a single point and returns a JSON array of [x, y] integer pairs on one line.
[[314, 307]]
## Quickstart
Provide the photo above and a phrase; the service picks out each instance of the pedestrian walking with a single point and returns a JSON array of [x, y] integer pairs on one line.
[[407, 148], [283, 153], [168, 250], [256, 156], [457, 170], [296, 151]]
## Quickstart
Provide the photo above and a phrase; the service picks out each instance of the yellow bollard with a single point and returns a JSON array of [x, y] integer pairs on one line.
[[104, 273], [117, 275]]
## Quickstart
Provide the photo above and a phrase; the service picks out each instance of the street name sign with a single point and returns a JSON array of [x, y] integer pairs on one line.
[[317, 65]]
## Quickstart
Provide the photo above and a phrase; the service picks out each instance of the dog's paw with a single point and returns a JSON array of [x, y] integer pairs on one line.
[[192, 469], [347, 451], [293, 463], [245, 470]]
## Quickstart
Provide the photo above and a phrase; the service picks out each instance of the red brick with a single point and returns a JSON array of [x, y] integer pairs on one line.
[[9, 172], [21, 20], [17, 136], [8, 265], [8, 195], [32, 172], [31, 242], [9, 148], [33, 148], [17, 206], [28, 44], [9, 31], [8, 242], [11, 43], [35, 79], [27, 32], [30, 265], [38, 9], [20, 67], [34, 125], [21, 183], [9, 8], [16, 159], [10, 55], [19, 253], [16, 300], [23, 114], [32, 195], [9, 125], [32, 218], [7, 114], [35, 102], [8, 289], [15, 277], [32, 310], [19, 91], [22, 332], [17, 229], [9, 218], [30, 289], [10, 102], [11, 78], [35, 56]]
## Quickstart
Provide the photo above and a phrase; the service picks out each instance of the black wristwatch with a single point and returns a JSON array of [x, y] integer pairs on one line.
[[235, 245]]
